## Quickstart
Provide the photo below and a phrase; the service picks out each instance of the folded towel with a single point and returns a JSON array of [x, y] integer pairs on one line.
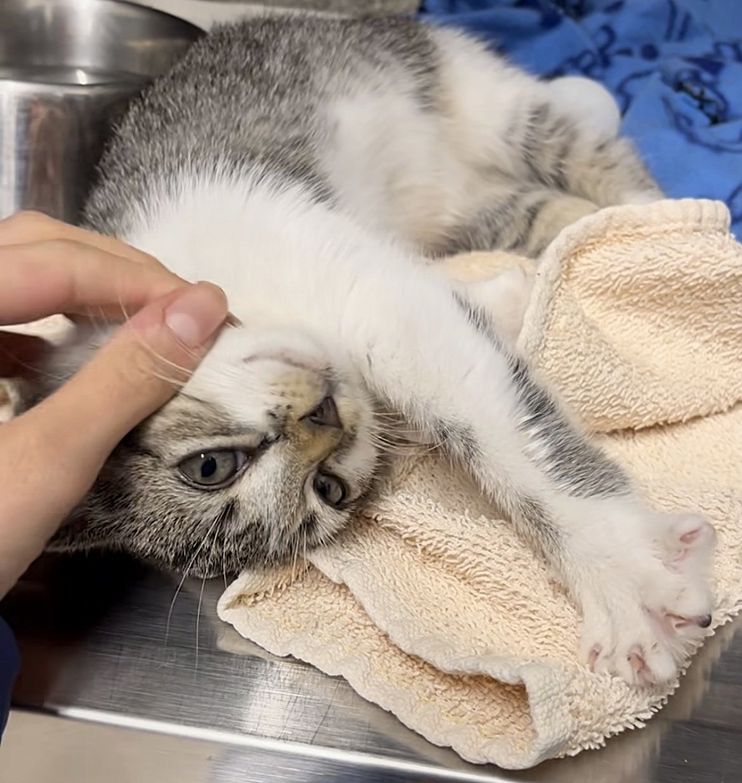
[[674, 66], [431, 607]]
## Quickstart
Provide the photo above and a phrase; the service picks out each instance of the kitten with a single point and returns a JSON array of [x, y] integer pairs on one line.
[[312, 167]]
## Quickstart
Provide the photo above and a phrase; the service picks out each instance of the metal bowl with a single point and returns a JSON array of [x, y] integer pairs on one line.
[[68, 68]]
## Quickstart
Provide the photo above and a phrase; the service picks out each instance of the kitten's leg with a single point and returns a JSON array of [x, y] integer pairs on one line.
[[570, 136], [520, 221], [500, 119], [638, 576], [560, 152]]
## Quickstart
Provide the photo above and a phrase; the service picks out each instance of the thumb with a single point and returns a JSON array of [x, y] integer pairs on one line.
[[50, 455], [133, 375]]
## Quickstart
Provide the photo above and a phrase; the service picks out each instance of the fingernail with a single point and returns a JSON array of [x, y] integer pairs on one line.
[[197, 313]]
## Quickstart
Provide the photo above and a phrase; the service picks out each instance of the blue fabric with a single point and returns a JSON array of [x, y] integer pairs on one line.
[[9, 665], [674, 66]]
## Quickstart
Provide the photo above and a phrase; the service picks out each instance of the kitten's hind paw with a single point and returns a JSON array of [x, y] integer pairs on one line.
[[504, 300]]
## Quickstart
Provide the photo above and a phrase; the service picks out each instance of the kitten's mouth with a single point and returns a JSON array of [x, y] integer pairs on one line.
[[291, 359], [325, 414]]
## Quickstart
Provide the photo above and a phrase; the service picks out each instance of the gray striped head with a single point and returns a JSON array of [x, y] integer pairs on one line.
[[264, 453]]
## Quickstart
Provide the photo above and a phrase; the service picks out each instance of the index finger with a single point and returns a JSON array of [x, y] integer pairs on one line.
[[63, 276], [29, 226]]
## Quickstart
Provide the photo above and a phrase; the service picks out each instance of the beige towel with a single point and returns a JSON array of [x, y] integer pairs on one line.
[[430, 607]]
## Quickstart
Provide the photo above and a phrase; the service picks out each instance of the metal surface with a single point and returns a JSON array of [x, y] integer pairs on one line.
[[67, 70], [207, 13], [143, 687]]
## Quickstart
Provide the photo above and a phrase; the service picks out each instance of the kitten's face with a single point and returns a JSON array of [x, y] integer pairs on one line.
[[264, 454]]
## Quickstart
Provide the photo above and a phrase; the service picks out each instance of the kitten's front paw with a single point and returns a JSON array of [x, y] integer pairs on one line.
[[647, 603]]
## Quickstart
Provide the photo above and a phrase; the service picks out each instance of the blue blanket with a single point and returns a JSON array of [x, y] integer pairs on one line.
[[674, 66]]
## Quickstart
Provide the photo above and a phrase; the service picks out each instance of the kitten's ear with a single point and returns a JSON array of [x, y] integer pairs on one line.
[[16, 396], [22, 357], [20, 353], [27, 371], [7, 401]]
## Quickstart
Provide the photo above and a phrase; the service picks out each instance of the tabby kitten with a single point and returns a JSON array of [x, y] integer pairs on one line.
[[312, 168]]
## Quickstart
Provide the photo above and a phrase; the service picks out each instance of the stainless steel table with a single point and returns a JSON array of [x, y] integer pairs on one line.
[[118, 687]]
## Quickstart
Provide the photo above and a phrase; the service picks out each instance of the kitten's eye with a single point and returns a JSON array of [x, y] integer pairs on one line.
[[330, 489], [212, 469]]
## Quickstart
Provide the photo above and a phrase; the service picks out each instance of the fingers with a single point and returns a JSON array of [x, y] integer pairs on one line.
[[50, 456], [31, 226], [64, 276]]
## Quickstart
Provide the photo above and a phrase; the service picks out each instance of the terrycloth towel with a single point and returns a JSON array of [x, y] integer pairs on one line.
[[431, 607], [674, 66]]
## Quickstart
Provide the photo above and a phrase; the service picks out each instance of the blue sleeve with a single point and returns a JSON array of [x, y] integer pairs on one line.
[[9, 665]]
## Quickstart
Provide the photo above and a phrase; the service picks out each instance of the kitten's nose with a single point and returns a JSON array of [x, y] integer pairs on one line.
[[325, 414], [317, 433]]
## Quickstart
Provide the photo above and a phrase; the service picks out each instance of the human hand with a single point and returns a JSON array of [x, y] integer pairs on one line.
[[50, 455]]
